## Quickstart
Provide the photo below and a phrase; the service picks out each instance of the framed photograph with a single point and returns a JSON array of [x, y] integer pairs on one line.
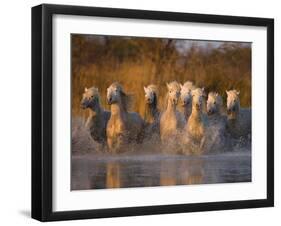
[[146, 112]]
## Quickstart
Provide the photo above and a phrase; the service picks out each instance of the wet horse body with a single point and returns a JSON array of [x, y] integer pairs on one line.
[[217, 121], [171, 121], [216, 115], [152, 113], [186, 98], [123, 127], [97, 121], [238, 119], [196, 127]]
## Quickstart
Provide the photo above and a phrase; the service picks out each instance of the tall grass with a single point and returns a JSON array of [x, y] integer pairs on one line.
[[136, 62]]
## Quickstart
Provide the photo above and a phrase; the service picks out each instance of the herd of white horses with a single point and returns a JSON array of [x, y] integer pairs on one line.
[[191, 123]]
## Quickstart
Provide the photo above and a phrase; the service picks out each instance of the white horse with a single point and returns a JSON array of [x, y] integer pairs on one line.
[[171, 121], [186, 98], [123, 127], [196, 127], [239, 119], [214, 104], [152, 113], [98, 118], [217, 121]]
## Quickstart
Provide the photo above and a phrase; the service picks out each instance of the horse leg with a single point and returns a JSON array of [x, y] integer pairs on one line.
[[141, 136], [202, 144], [110, 144], [121, 141]]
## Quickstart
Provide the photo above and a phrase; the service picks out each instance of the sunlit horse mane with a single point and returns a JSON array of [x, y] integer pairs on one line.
[[153, 87], [189, 85], [94, 91], [126, 99]]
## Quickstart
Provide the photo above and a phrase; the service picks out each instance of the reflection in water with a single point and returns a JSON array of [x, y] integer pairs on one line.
[[106, 171], [113, 175], [181, 171]]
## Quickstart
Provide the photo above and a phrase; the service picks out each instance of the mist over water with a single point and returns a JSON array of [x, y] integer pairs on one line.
[[147, 165]]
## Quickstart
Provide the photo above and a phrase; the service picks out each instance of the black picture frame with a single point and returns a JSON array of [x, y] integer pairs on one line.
[[42, 111]]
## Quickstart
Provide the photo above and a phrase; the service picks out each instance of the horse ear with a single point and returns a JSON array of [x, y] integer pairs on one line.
[[145, 89], [181, 86], [237, 92], [217, 94], [226, 92], [86, 89]]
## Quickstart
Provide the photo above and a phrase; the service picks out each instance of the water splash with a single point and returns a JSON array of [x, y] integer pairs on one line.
[[227, 160]]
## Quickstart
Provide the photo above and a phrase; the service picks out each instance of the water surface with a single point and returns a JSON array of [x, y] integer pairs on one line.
[[99, 171]]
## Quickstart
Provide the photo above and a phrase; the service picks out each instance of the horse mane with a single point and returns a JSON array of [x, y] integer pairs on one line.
[[95, 92], [153, 88], [175, 85], [189, 85], [126, 100]]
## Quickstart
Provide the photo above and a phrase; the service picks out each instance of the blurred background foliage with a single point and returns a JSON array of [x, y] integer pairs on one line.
[[136, 62]]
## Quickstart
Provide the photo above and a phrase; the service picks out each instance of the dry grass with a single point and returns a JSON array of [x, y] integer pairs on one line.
[[137, 62]]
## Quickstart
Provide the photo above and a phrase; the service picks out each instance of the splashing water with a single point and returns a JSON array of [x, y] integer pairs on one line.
[[226, 161]]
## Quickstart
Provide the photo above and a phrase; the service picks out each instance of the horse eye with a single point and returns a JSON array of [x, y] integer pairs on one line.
[[215, 102], [170, 91]]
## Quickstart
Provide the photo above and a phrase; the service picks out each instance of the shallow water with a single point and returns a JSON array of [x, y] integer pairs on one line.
[[99, 171]]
